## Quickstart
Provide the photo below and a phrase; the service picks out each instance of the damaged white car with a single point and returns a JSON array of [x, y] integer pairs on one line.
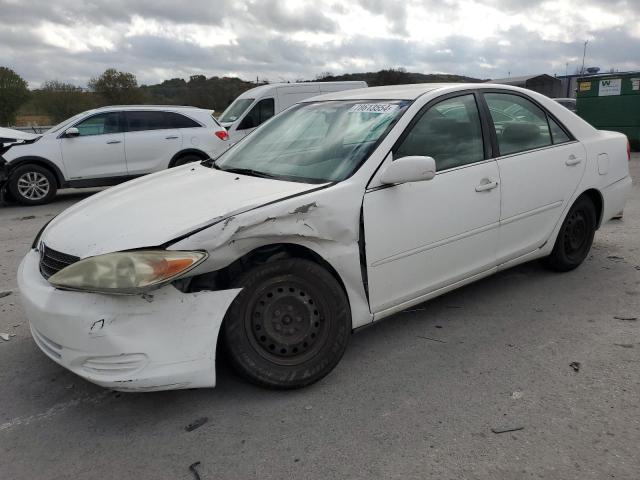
[[340, 211]]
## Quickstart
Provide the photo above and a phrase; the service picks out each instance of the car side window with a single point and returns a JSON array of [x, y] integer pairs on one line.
[[261, 112], [449, 131], [176, 120], [558, 135], [141, 120], [100, 124], [519, 123]]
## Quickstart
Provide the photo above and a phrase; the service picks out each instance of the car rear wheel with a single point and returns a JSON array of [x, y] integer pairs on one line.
[[32, 185], [289, 326], [575, 237]]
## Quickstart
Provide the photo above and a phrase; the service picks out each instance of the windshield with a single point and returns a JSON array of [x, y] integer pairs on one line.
[[65, 122], [314, 142], [235, 110]]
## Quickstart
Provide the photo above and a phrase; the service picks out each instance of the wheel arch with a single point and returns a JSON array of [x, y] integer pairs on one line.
[[222, 278], [42, 162], [187, 151], [598, 201]]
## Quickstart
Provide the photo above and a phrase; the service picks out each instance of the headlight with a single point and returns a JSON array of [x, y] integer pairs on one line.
[[126, 272]]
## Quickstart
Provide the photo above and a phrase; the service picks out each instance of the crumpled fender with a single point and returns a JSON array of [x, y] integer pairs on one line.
[[326, 221]]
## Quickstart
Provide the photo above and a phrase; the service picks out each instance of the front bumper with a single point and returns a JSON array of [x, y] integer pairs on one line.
[[165, 340], [4, 172]]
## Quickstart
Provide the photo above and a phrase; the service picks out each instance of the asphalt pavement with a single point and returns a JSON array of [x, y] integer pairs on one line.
[[427, 393]]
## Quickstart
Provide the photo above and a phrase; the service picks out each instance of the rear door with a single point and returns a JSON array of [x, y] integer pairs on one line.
[[424, 236], [540, 166], [151, 140], [98, 150]]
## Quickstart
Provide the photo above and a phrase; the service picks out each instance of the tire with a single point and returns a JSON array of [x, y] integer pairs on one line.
[[32, 185], [574, 238], [289, 326], [188, 158]]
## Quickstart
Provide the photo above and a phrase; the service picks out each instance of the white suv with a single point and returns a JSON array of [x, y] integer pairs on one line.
[[107, 146]]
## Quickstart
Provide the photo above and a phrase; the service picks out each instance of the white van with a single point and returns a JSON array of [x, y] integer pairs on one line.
[[259, 104]]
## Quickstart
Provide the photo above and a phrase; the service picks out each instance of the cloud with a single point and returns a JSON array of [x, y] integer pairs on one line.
[[74, 41]]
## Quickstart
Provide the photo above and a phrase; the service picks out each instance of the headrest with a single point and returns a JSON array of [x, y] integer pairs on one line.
[[520, 132]]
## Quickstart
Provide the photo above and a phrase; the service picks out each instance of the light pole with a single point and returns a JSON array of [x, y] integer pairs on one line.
[[584, 54]]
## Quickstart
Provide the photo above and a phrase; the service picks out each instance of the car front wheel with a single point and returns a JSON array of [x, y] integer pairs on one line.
[[575, 237], [289, 326], [32, 185]]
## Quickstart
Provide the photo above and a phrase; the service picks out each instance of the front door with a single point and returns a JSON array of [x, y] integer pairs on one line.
[[540, 169], [262, 111], [98, 150], [424, 236]]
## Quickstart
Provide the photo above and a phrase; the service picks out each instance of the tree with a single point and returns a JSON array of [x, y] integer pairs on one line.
[[62, 100], [392, 76], [13, 93], [117, 88]]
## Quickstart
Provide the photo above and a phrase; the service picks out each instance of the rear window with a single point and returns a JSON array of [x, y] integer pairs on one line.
[[138, 121]]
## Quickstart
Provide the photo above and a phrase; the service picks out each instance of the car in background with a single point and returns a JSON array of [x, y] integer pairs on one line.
[[341, 211], [259, 104], [106, 146], [569, 103]]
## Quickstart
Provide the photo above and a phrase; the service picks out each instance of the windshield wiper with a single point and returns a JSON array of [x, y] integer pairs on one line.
[[247, 171], [211, 163]]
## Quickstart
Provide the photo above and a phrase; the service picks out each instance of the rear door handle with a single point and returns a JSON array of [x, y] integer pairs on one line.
[[171, 137], [572, 160], [486, 184], [111, 142]]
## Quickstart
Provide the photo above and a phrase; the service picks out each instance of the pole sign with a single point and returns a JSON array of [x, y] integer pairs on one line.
[[609, 87]]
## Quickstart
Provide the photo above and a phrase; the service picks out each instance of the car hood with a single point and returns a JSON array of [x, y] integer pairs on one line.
[[155, 209], [11, 135]]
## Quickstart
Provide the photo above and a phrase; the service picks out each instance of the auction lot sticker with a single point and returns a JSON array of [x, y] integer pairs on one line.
[[374, 108], [611, 86]]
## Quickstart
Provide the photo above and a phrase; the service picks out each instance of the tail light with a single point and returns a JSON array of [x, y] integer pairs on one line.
[[628, 150], [222, 134]]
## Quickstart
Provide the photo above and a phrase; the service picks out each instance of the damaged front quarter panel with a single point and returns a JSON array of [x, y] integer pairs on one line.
[[327, 222]]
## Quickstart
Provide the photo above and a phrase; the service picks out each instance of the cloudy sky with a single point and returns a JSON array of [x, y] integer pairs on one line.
[[73, 40]]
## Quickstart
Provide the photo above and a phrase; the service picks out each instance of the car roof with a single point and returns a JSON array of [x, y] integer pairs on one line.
[[406, 92], [148, 107], [390, 92], [262, 89]]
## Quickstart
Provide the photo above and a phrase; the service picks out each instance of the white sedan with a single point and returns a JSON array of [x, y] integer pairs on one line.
[[339, 212]]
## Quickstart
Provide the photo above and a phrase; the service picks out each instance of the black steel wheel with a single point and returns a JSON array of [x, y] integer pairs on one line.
[[575, 236], [289, 326]]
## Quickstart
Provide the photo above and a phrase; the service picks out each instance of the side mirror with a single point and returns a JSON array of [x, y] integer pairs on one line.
[[409, 169], [71, 132]]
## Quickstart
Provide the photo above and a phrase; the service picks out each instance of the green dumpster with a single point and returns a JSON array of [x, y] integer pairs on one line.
[[612, 102]]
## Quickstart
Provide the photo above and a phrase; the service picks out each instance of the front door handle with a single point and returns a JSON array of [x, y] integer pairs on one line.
[[171, 137], [572, 160], [486, 184], [111, 142]]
